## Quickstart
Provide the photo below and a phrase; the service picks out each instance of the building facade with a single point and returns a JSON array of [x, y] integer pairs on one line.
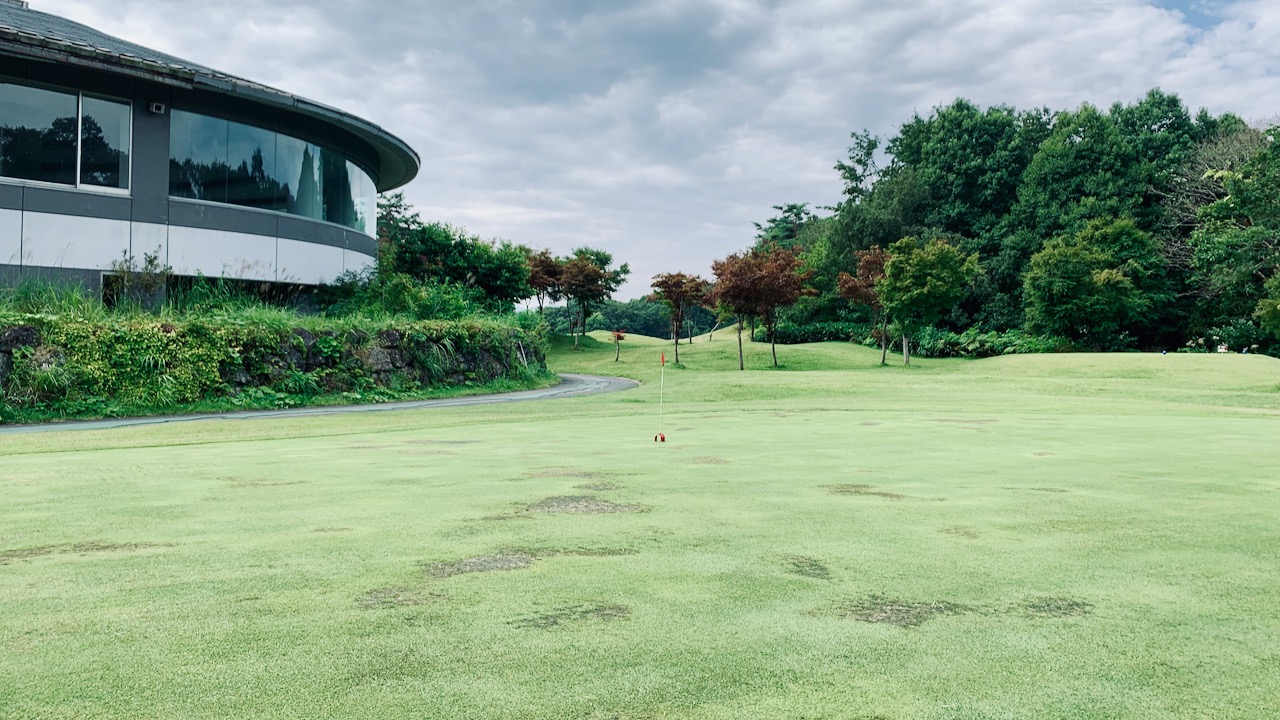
[[111, 152]]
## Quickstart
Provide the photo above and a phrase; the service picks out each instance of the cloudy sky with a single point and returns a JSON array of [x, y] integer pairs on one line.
[[660, 129]]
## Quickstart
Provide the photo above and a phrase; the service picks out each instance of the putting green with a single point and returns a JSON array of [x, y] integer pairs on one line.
[[1024, 537]]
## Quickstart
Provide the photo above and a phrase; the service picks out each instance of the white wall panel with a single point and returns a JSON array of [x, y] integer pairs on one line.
[[10, 237], [148, 238], [357, 262], [216, 253], [67, 241], [303, 262]]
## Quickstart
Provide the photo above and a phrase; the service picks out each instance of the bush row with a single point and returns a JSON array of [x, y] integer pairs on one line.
[[929, 342], [116, 366]]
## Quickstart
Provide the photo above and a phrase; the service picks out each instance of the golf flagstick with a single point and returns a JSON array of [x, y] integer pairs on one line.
[[662, 388]]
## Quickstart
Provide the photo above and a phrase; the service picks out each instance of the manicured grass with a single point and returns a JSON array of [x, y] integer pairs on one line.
[[1023, 537]]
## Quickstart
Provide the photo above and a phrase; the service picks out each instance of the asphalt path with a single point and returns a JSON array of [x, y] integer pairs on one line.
[[571, 385]]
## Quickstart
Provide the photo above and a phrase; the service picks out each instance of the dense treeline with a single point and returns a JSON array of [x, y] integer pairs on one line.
[[1137, 227]]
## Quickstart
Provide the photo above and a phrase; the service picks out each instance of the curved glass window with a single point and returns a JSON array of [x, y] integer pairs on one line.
[[63, 137], [229, 162]]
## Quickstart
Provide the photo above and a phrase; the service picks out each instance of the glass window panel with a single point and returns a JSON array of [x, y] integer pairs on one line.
[[38, 134], [365, 194], [298, 164], [252, 180], [104, 143], [197, 157], [339, 203]]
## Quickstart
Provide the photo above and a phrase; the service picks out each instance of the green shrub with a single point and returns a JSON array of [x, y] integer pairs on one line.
[[835, 331]]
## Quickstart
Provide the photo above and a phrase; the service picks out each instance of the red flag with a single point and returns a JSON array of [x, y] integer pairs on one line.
[[664, 359]]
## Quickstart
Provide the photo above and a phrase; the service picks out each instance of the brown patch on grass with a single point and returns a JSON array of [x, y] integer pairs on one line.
[[1057, 607], [1043, 453], [8, 556], [866, 490], [265, 483], [82, 548], [871, 424], [1037, 489], [597, 487], [600, 612], [581, 504], [395, 597], [710, 460], [333, 530], [479, 564], [441, 442], [899, 613], [963, 532], [539, 553], [961, 421], [563, 472], [806, 567]]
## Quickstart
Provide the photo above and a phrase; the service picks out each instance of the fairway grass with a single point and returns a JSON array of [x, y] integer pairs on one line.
[[1074, 536]]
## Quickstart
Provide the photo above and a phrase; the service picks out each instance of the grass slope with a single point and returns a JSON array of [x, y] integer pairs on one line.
[[1025, 537]]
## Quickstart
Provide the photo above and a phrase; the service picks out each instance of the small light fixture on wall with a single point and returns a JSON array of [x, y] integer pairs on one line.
[[157, 108]]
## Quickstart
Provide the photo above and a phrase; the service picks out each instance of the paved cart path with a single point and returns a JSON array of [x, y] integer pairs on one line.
[[571, 385]]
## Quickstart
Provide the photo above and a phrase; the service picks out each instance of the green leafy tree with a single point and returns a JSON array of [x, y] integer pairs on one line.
[[1268, 312], [1236, 249], [783, 230], [922, 281], [588, 278]]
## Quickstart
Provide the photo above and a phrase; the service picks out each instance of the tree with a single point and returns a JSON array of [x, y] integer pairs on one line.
[[618, 336], [679, 293], [544, 276], [588, 279], [397, 220], [779, 284], [861, 289], [1268, 312], [441, 252], [922, 280], [735, 290], [785, 229], [1236, 249], [1078, 291]]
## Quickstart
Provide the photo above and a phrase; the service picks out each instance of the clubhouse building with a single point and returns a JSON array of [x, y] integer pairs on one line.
[[110, 151]]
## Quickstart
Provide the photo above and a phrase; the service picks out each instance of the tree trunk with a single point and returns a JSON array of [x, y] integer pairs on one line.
[[576, 335], [906, 349], [677, 349], [773, 347], [753, 328], [884, 341], [741, 364], [617, 350]]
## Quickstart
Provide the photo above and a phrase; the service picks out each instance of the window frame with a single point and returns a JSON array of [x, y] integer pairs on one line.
[[79, 185]]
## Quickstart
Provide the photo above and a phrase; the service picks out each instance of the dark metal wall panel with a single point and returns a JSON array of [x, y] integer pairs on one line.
[[360, 242], [91, 280], [295, 228], [11, 197], [229, 218], [80, 204], [150, 182]]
